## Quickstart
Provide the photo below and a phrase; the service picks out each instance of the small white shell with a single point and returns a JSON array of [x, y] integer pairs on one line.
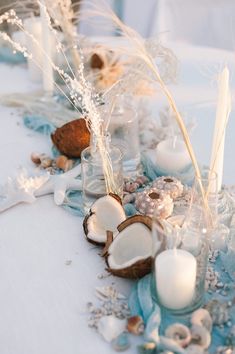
[[179, 333], [110, 327], [200, 336], [194, 349], [202, 317]]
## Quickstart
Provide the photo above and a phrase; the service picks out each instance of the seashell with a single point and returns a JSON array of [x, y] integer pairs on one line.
[[135, 325], [141, 180], [152, 200], [128, 198], [121, 343], [110, 327], [200, 336], [225, 350], [61, 162], [169, 185], [218, 311], [179, 333], [202, 317], [147, 348], [170, 345], [46, 162], [36, 158], [194, 349], [72, 138], [130, 186], [64, 163]]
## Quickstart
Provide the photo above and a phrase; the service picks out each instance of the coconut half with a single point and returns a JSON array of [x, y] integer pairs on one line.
[[105, 215], [130, 253]]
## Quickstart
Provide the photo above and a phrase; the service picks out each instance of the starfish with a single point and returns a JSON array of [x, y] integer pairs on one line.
[[25, 189]]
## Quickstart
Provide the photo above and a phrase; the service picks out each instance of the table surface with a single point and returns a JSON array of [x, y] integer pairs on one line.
[[42, 298]]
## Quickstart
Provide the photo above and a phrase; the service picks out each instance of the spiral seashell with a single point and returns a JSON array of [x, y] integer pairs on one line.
[[152, 200], [64, 163], [169, 185], [202, 317], [194, 349], [135, 325], [179, 333], [200, 336]]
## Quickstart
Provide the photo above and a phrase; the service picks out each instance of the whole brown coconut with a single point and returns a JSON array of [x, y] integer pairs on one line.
[[72, 138]]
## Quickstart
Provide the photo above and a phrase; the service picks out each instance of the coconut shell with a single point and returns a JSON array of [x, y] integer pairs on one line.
[[143, 266], [72, 138], [85, 229], [146, 220], [115, 196], [135, 271], [96, 61]]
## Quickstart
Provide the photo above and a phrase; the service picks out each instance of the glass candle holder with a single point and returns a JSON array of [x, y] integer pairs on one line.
[[181, 253], [93, 180], [124, 131]]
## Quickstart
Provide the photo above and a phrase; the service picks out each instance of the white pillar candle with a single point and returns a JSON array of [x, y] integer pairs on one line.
[[48, 81], [172, 156], [34, 27], [175, 278], [222, 114]]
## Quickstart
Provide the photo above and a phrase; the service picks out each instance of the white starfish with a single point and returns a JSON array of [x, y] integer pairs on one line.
[[25, 189], [59, 184]]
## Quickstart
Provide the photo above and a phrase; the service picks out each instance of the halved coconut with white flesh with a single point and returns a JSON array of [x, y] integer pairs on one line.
[[130, 253], [105, 215]]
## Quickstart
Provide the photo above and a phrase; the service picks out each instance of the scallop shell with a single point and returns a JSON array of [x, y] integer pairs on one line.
[[179, 333], [110, 327], [169, 185], [152, 200], [72, 138]]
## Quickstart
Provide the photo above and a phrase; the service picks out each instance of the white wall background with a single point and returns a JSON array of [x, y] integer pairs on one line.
[[200, 22]]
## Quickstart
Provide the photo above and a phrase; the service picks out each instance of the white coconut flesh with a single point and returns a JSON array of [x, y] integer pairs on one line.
[[132, 244], [107, 214]]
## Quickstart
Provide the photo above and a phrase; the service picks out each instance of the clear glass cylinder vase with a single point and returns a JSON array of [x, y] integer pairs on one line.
[[181, 253], [102, 173], [124, 130]]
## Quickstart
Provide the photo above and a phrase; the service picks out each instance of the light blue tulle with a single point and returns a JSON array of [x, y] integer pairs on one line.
[[38, 124], [143, 291]]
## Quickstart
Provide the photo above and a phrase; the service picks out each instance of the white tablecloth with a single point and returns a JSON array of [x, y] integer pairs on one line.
[[42, 299]]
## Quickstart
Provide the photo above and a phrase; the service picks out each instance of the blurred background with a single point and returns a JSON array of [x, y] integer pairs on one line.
[[202, 22]]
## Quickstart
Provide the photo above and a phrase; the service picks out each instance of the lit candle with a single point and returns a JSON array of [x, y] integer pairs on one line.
[[222, 114], [175, 278], [48, 81], [172, 156], [34, 27]]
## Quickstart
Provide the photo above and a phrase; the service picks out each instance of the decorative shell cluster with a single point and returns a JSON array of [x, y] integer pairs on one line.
[[52, 165], [195, 339], [72, 138], [159, 199]]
